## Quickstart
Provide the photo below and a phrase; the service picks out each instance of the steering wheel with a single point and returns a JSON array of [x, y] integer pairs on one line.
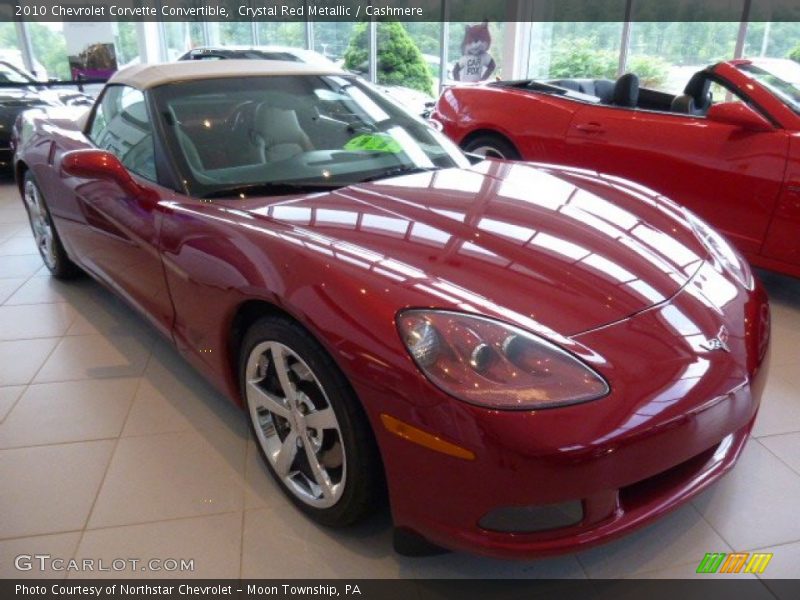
[[241, 116]]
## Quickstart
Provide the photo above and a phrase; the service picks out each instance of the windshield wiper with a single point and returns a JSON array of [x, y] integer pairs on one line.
[[397, 171], [272, 188]]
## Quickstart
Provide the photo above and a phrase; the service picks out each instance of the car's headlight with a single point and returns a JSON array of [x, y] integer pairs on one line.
[[493, 364], [719, 247]]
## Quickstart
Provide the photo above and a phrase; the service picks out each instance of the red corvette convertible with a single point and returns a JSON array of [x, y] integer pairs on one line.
[[728, 148], [528, 360]]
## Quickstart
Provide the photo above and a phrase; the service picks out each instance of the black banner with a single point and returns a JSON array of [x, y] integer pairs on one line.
[[399, 10], [373, 589]]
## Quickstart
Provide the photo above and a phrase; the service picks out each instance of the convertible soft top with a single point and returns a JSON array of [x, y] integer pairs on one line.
[[149, 76]]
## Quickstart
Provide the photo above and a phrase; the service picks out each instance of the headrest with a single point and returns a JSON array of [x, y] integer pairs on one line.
[[278, 125], [626, 91], [604, 89], [138, 111], [698, 88], [683, 104]]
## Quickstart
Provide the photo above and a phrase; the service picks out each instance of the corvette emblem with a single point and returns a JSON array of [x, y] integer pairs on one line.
[[717, 343]]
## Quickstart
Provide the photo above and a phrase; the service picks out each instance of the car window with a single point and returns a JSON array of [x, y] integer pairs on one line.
[[720, 93], [122, 126]]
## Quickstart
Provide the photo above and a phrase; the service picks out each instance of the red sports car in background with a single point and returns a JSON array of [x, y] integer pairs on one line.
[[529, 360], [728, 148]]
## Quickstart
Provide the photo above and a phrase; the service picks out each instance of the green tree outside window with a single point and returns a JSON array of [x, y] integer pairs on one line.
[[400, 61]]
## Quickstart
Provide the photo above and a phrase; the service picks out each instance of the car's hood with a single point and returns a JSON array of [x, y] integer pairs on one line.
[[566, 248]]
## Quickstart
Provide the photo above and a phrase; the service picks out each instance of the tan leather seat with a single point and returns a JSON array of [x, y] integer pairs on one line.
[[190, 151], [278, 135]]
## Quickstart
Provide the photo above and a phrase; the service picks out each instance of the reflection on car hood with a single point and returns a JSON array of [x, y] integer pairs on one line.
[[411, 99], [568, 249], [19, 97], [29, 96]]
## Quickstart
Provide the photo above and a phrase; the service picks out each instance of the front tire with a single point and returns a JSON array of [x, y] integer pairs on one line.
[[308, 425], [491, 146], [44, 232]]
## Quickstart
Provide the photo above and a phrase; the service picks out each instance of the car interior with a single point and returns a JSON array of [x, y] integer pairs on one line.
[[218, 137], [256, 132], [261, 135], [627, 92]]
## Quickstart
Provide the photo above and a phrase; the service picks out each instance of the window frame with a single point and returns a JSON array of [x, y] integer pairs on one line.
[[746, 98]]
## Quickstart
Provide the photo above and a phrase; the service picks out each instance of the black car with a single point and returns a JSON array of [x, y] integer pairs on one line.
[[19, 92]]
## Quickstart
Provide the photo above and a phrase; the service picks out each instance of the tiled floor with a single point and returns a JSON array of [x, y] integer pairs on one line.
[[112, 447]]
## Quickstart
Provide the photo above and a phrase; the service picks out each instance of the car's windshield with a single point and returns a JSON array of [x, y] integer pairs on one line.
[[274, 134], [781, 77]]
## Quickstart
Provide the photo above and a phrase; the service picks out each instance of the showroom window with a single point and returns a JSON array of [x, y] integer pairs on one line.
[[663, 54], [399, 60], [291, 34], [333, 39], [773, 40], [76, 50], [580, 49], [666, 55], [10, 46], [234, 34], [126, 43], [182, 37], [427, 37], [50, 52]]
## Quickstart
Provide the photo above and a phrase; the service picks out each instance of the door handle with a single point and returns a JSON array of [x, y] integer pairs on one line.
[[591, 127]]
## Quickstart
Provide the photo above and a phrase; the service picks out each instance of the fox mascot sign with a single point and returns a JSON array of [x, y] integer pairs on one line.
[[475, 64]]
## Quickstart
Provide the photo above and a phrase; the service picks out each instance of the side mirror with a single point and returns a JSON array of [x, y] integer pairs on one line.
[[738, 114], [99, 164]]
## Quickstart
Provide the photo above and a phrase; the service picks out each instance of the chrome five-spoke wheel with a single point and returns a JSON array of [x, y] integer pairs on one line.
[[295, 424], [40, 224], [310, 427], [44, 231]]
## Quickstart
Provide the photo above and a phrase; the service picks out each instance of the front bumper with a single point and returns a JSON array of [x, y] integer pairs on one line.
[[676, 420]]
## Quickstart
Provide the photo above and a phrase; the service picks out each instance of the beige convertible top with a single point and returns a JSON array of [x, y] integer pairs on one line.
[[149, 76]]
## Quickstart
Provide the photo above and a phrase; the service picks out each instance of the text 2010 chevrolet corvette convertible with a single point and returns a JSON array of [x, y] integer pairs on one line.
[[530, 360]]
